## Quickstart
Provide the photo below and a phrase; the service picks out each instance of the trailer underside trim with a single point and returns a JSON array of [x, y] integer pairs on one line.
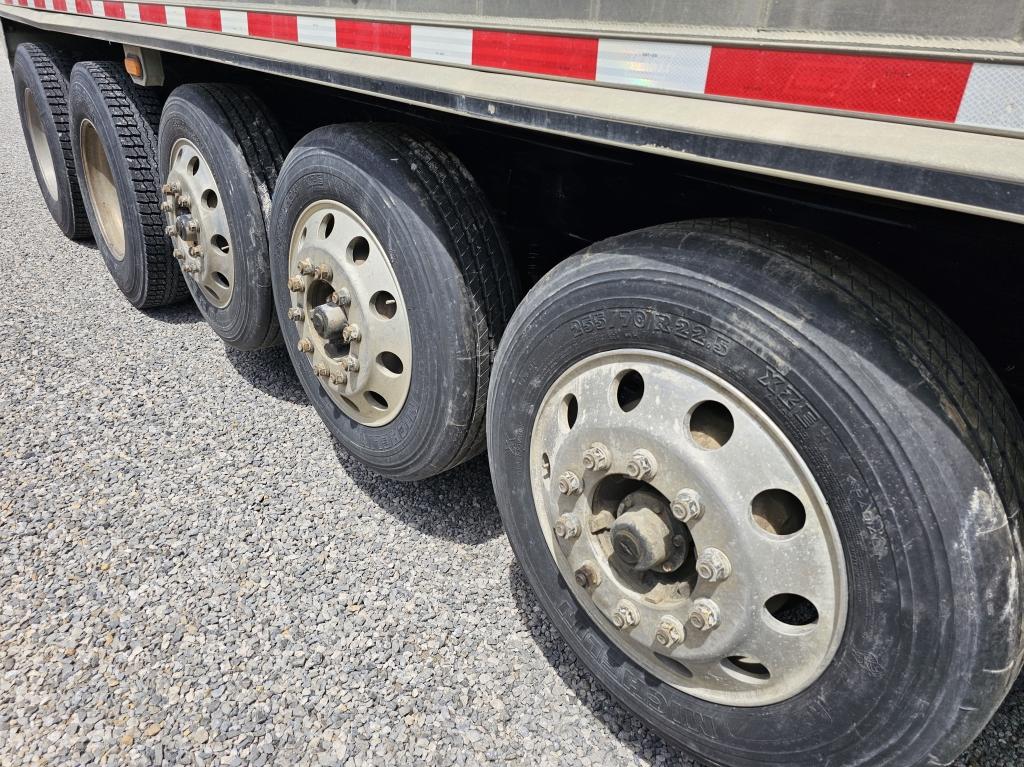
[[976, 173]]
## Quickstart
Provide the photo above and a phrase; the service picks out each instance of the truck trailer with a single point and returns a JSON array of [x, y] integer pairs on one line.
[[729, 292]]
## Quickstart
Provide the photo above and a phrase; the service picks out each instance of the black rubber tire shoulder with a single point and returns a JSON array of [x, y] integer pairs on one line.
[[246, 146], [453, 268], [911, 436], [127, 117], [45, 71]]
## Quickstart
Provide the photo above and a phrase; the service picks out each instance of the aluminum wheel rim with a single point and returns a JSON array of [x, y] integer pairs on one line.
[[726, 499], [348, 310], [99, 181], [198, 224], [40, 146]]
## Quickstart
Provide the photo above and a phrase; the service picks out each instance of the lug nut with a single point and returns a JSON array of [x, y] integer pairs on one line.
[[305, 266], [170, 231], [341, 298], [323, 272], [350, 333], [713, 566], [171, 189], [350, 363], [185, 201], [642, 465], [687, 506], [569, 483], [704, 615], [166, 207], [305, 345], [179, 254], [670, 632], [296, 285], [587, 576], [339, 379], [321, 370], [597, 457], [192, 227], [626, 615], [296, 314], [568, 526], [195, 251]]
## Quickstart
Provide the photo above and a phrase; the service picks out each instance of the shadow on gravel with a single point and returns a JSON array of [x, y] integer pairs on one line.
[[619, 721], [457, 506], [270, 371], [182, 313]]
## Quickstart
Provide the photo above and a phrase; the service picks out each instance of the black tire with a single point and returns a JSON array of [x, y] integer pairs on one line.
[[911, 437], [42, 72], [454, 271], [245, 147], [125, 117]]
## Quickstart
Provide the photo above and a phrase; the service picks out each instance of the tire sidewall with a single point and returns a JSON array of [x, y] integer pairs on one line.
[[251, 298], [419, 441], [26, 77], [670, 309], [87, 103]]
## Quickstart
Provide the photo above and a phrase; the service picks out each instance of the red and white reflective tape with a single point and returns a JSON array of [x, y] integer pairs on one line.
[[961, 92]]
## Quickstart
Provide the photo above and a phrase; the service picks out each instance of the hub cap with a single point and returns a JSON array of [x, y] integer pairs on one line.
[[348, 310], [688, 527], [198, 224]]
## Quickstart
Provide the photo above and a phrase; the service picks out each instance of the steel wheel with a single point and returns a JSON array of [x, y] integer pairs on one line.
[[40, 146], [687, 525], [99, 181], [348, 309], [198, 225]]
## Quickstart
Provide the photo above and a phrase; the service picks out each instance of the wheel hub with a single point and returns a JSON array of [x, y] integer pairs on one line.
[[348, 309], [198, 225], [686, 524]]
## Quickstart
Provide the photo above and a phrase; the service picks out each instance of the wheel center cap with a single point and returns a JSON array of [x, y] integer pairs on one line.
[[328, 320], [641, 538], [187, 227]]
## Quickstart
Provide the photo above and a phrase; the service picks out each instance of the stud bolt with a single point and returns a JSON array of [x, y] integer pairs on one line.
[[597, 457], [713, 566], [626, 615], [296, 285], [670, 632], [305, 345], [296, 314], [686, 507], [642, 466], [587, 576], [568, 527], [704, 615], [569, 483]]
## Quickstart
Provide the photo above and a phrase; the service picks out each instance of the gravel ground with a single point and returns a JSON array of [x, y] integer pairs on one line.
[[191, 571]]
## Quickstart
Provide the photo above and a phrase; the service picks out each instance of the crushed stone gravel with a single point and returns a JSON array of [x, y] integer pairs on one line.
[[192, 572]]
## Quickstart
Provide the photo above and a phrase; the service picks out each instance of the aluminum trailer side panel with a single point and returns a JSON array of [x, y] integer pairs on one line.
[[940, 132]]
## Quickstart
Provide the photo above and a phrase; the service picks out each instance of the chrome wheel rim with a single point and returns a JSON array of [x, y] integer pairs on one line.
[[99, 182], [349, 312], [40, 146], [688, 527], [197, 224]]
